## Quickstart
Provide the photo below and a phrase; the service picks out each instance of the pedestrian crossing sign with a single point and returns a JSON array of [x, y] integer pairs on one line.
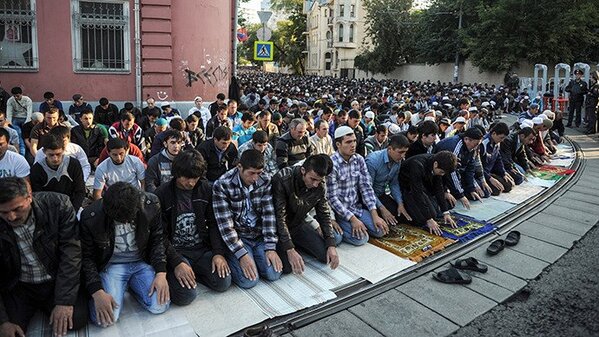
[[263, 51]]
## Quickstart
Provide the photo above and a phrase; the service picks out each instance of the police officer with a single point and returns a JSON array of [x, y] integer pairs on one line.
[[577, 89], [592, 102]]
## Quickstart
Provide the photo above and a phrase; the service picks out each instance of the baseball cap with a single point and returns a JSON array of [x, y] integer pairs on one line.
[[460, 120], [165, 104], [369, 114]]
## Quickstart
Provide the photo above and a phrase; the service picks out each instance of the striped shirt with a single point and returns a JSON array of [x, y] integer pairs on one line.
[[32, 269], [347, 184]]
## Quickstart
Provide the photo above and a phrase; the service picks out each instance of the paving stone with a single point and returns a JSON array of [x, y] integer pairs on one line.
[[511, 261], [576, 205], [408, 318], [548, 234], [581, 197], [456, 303], [585, 188], [558, 222], [539, 249], [488, 289], [342, 323], [568, 213], [500, 278]]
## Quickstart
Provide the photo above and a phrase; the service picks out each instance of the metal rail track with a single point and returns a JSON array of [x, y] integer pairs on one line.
[[362, 290]]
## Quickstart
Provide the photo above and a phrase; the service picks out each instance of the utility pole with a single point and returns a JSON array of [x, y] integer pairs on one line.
[[456, 67]]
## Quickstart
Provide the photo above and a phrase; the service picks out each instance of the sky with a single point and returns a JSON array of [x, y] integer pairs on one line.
[[251, 7]]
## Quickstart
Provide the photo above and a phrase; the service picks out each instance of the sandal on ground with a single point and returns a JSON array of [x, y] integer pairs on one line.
[[469, 263], [452, 276], [512, 238], [495, 247]]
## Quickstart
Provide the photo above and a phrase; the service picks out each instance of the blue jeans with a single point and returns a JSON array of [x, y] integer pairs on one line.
[[366, 218], [17, 124], [256, 251], [137, 276]]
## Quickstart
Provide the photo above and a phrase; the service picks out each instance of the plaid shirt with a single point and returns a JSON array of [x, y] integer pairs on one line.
[[270, 161], [230, 203], [32, 270], [347, 184]]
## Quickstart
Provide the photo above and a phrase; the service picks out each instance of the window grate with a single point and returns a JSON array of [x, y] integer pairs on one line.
[[18, 35], [101, 36]]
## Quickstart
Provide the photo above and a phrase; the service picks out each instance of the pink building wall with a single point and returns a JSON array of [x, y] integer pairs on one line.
[[175, 35], [56, 63]]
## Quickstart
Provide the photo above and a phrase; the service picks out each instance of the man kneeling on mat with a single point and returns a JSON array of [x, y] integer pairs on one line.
[[296, 191], [421, 181]]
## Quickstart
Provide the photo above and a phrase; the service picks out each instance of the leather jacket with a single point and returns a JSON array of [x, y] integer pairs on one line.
[[293, 201], [98, 235], [56, 244], [201, 201]]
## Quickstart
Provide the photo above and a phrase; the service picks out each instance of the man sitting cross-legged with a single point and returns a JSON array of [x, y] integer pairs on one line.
[[194, 247], [349, 190], [122, 245], [246, 220], [297, 191]]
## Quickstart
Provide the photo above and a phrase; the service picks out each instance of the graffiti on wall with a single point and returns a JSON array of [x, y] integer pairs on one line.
[[208, 72]]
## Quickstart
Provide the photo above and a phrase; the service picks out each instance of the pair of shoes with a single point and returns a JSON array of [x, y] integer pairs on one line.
[[452, 276], [261, 331], [497, 246]]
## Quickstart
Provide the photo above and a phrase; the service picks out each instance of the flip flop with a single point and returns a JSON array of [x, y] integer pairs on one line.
[[452, 276], [469, 263], [495, 247], [512, 238]]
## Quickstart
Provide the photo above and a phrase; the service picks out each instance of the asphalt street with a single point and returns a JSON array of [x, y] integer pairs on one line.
[[562, 301]]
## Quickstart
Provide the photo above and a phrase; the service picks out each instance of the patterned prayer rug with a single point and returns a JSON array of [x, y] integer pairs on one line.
[[557, 170], [546, 175], [468, 228], [411, 242]]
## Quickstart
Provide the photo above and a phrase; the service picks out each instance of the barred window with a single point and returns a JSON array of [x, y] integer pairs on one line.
[[101, 40], [18, 35]]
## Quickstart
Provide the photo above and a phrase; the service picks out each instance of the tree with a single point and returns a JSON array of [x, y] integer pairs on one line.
[[288, 35], [391, 30], [553, 31]]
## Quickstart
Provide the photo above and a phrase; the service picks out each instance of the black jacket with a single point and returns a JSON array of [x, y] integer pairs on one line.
[[97, 239], [418, 181], [106, 116], [293, 201], [215, 167], [74, 188], [513, 151], [201, 199], [56, 243], [577, 90], [93, 144], [417, 148]]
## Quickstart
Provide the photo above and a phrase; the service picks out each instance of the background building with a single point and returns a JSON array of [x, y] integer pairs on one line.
[[119, 49], [336, 32]]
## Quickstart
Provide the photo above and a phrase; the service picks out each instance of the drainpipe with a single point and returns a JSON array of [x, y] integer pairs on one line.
[[235, 18], [136, 11]]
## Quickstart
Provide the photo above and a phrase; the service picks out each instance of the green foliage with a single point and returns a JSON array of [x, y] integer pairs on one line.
[[496, 34], [390, 29]]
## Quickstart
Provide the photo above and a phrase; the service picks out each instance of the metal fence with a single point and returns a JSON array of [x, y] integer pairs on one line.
[[18, 35]]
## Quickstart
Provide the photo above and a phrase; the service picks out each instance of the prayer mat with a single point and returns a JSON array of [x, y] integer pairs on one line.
[[562, 162], [410, 242], [371, 262], [545, 175], [557, 170], [485, 210], [468, 228], [296, 292], [542, 182], [520, 193]]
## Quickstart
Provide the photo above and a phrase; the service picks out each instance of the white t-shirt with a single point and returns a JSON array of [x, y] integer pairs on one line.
[[71, 150], [13, 165], [131, 171]]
